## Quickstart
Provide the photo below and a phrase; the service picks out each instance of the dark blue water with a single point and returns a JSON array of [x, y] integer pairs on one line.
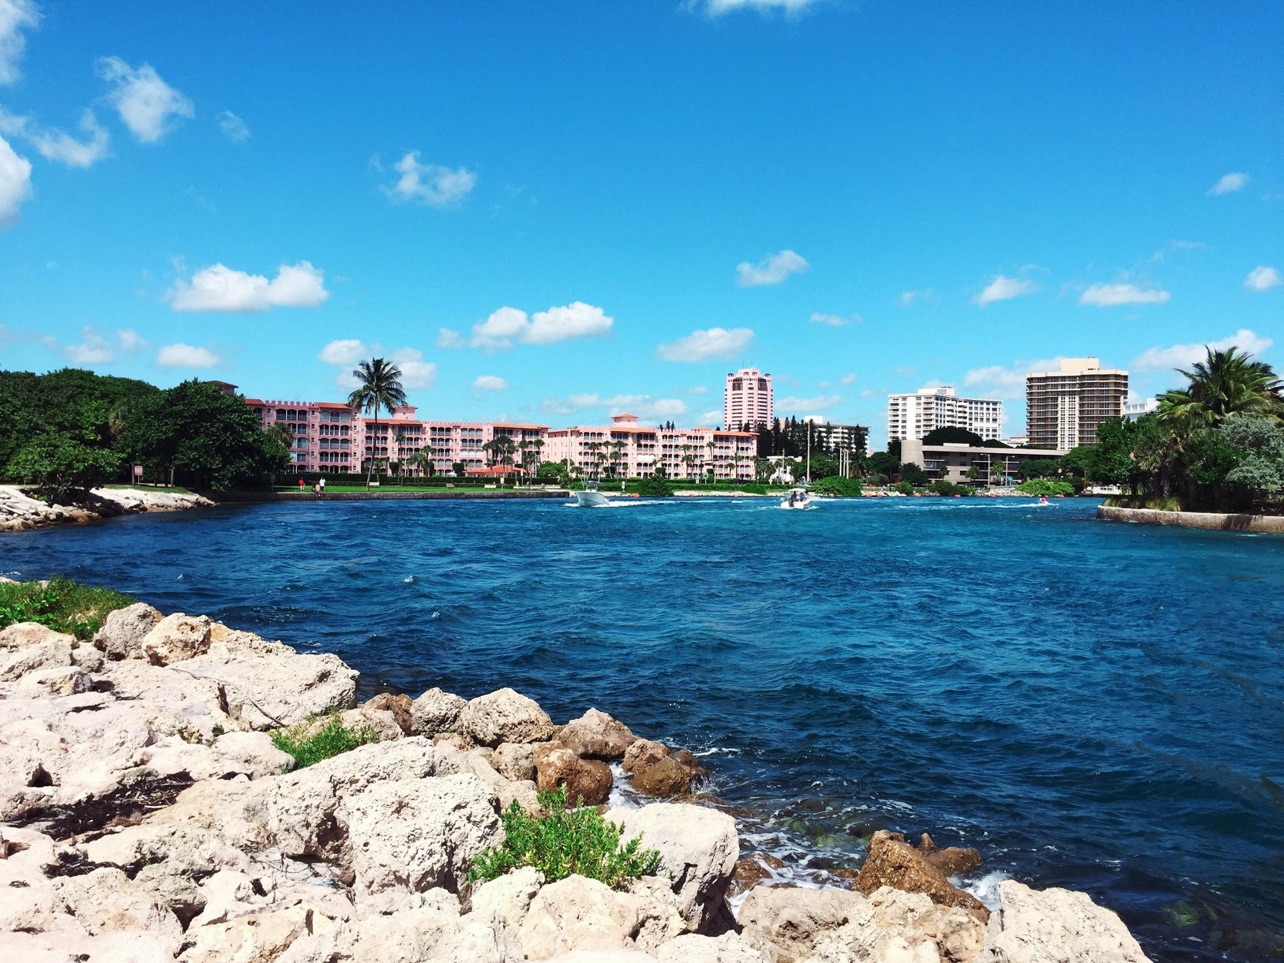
[[1093, 705]]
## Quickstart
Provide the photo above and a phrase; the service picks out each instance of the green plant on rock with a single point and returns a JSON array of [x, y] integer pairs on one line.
[[310, 744], [62, 604], [562, 842]]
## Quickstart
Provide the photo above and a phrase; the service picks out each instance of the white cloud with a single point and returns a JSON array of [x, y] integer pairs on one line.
[[15, 183], [996, 381], [94, 349], [1004, 288], [1114, 295], [1184, 355], [834, 320], [798, 406], [717, 8], [343, 352], [186, 356], [430, 184], [57, 145], [416, 373], [1228, 184], [219, 288], [144, 101], [909, 297], [773, 269], [450, 338], [130, 341], [233, 128], [646, 407], [1262, 278], [713, 344], [713, 417], [15, 16], [508, 325], [489, 383]]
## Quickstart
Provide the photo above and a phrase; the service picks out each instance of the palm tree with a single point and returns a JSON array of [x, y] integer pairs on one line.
[[1225, 383], [379, 386]]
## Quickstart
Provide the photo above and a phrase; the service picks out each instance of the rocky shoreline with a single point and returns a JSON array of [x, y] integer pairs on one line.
[[145, 814], [19, 511]]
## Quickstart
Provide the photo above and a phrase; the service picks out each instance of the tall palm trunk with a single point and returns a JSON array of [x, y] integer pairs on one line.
[[374, 449]]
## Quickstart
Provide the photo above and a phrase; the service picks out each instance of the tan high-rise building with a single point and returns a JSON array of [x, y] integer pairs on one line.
[[1064, 408], [747, 400]]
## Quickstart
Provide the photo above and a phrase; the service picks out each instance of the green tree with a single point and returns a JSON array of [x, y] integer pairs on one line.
[[1225, 383], [63, 468], [378, 388], [952, 435]]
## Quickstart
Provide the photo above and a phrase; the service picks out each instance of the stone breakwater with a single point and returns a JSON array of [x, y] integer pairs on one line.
[[19, 510], [145, 814]]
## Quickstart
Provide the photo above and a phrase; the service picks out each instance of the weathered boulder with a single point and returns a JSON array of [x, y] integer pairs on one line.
[[255, 938], [952, 860], [505, 901], [435, 712], [515, 760], [474, 760], [596, 735], [179, 703], [270, 691], [123, 631], [418, 834], [893, 862], [1055, 924], [401, 706], [698, 850], [382, 721], [787, 922], [656, 771], [254, 752], [727, 948], [505, 716], [27, 647], [107, 901], [62, 680], [177, 638], [587, 781], [895, 925], [579, 914], [752, 870]]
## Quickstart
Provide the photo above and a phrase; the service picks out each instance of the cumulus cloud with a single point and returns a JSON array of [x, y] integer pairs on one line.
[[773, 269], [834, 320], [344, 352], [797, 406], [416, 373], [219, 288], [910, 297], [1262, 278], [489, 383], [186, 356], [1229, 184], [646, 407], [130, 341], [507, 326], [429, 184], [15, 183], [233, 128], [1115, 295], [1184, 355], [57, 145], [146, 104], [717, 8], [93, 349], [15, 17], [1004, 288], [996, 381], [713, 344]]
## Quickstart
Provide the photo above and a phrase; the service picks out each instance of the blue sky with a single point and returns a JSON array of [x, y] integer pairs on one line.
[[555, 211]]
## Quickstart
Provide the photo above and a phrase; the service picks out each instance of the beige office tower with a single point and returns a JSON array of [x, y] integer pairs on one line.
[[747, 400], [1064, 408]]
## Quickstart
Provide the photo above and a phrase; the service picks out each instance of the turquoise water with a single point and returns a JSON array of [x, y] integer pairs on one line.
[[1092, 705]]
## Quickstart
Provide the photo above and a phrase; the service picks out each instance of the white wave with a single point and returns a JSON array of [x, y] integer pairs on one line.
[[986, 889]]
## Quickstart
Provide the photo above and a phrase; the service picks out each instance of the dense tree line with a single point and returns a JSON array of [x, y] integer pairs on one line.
[[68, 431]]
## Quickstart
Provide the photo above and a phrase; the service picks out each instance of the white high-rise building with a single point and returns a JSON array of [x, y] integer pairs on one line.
[[915, 415], [1064, 407], [747, 399]]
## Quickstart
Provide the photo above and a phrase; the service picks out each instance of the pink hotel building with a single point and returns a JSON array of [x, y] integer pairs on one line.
[[331, 437]]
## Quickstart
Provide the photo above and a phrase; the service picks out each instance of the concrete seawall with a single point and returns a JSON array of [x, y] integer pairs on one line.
[[1211, 521]]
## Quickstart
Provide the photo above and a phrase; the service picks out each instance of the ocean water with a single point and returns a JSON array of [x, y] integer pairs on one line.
[[1097, 706]]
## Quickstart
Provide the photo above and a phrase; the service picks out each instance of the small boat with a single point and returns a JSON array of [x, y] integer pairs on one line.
[[797, 499], [590, 497]]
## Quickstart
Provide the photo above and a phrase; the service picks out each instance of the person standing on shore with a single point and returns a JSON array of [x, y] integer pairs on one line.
[[300, 484], [322, 484]]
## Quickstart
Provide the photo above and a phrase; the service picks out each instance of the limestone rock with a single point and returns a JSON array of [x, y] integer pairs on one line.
[[1055, 924], [895, 925], [728, 948], [788, 921], [177, 638], [596, 735], [271, 691], [514, 760], [108, 901], [657, 772], [506, 901], [504, 716], [255, 752], [752, 870], [60, 681], [579, 914], [419, 834], [27, 647], [401, 706], [893, 862], [435, 712], [256, 938], [587, 781], [123, 631], [952, 860], [698, 850], [382, 721]]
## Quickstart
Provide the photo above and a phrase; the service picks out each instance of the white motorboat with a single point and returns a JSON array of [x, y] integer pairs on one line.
[[797, 499], [590, 497]]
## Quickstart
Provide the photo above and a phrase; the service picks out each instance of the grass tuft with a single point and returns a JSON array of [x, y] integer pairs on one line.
[[60, 603], [309, 745], [561, 842]]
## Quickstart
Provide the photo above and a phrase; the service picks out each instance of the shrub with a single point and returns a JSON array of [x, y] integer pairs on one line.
[[1045, 486], [561, 842], [309, 745], [60, 603], [652, 487], [838, 486]]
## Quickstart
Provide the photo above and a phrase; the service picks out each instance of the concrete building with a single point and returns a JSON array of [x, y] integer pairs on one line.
[[918, 414], [1064, 408], [1133, 410], [997, 466], [626, 449], [747, 399]]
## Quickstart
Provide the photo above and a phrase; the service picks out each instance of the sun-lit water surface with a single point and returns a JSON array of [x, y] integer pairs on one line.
[[1098, 706]]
